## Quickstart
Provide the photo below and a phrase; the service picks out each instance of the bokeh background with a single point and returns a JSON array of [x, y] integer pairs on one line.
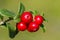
[[51, 9]]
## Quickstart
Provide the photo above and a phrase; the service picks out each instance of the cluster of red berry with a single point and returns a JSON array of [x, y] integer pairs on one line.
[[29, 22]]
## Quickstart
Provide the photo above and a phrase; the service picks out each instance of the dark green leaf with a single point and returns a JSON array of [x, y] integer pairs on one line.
[[1, 17], [12, 32], [5, 12], [42, 26], [22, 8]]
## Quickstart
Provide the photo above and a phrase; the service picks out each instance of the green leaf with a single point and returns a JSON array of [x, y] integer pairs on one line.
[[43, 17], [42, 26], [34, 12], [12, 31], [5, 12], [10, 26], [1, 17], [21, 9]]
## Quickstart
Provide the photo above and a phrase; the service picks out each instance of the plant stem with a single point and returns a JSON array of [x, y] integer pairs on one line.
[[3, 22]]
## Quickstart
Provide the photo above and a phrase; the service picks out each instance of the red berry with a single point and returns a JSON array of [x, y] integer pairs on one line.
[[21, 26], [33, 27], [26, 17], [38, 19]]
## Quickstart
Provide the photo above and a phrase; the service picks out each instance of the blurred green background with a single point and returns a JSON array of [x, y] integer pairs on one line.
[[51, 9]]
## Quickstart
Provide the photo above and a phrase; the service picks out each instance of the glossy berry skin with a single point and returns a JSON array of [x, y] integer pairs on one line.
[[21, 26], [38, 19], [26, 17], [33, 27]]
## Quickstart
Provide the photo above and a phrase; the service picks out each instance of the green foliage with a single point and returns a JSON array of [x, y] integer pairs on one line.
[[21, 10], [42, 26], [43, 17], [12, 31], [34, 12], [7, 13]]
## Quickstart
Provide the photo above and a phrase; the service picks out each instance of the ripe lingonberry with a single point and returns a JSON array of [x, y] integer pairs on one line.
[[38, 19], [26, 17], [33, 27], [21, 26]]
